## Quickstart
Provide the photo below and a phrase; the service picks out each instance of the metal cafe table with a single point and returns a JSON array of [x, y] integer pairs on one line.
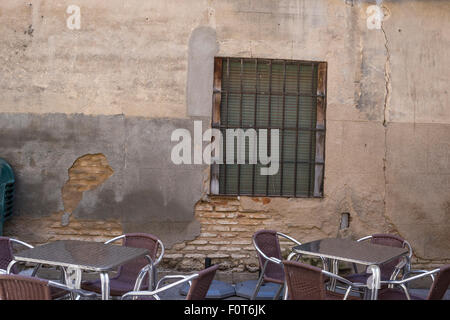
[[333, 250], [77, 256]]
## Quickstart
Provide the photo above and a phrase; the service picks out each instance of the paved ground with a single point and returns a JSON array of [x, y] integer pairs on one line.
[[174, 293]]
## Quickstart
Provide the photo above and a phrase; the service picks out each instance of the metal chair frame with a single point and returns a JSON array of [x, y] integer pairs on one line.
[[63, 276], [150, 268], [270, 259], [154, 293], [50, 283], [403, 283], [406, 268], [403, 266], [350, 285], [27, 245]]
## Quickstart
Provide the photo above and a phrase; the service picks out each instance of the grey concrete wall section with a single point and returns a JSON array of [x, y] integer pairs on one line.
[[147, 192], [202, 49]]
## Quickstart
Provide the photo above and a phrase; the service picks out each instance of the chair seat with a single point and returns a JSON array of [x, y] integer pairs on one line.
[[329, 295], [57, 293], [395, 294], [117, 287], [358, 277], [274, 280], [146, 298], [362, 277]]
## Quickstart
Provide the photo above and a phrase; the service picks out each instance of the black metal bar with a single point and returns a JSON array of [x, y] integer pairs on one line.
[[254, 122], [270, 122], [282, 130], [297, 131], [240, 125], [263, 127], [304, 162], [224, 139], [288, 61], [274, 195], [274, 94], [324, 105], [313, 76]]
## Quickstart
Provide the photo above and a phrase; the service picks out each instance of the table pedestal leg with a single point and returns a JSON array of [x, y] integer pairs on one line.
[[335, 270], [373, 282], [331, 265], [73, 279], [104, 279]]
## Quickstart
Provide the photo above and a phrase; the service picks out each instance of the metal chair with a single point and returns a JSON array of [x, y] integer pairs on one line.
[[126, 279], [391, 269], [6, 253], [437, 291], [200, 283], [268, 248], [17, 287], [6, 256], [306, 282]]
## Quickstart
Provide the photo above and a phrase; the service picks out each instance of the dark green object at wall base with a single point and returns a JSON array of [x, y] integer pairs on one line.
[[6, 192]]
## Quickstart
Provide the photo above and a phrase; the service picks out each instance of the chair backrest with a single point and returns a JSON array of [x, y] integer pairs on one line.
[[6, 254], [304, 282], [267, 241], [391, 240], [130, 271], [14, 287], [440, 284], [200, 285]]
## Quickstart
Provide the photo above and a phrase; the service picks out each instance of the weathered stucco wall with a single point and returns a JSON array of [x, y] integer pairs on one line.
[[137, 70]]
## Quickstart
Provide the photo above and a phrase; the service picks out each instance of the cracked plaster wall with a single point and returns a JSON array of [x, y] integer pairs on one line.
[[121, 83]]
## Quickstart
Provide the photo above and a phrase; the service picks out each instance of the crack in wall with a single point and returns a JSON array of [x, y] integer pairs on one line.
[[387, 96], [386, 105], [387, 77]]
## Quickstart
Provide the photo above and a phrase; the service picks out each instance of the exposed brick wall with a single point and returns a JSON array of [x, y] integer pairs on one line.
[[228, 224], [227, 227], [226, 234]]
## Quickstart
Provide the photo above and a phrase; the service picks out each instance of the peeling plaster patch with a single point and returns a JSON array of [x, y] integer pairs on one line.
[[211, 17], [375, 17], [86, 173]]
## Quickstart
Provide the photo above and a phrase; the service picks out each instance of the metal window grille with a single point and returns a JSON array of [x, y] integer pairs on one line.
[[272, 94]]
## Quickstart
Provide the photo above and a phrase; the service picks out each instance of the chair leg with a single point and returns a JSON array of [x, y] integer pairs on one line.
[[258, 286], [285, 294], [35, 269], [154, 272], [366, 294], [277, 295]]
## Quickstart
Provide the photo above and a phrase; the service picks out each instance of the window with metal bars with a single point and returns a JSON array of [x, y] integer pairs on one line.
[[270, 94]]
